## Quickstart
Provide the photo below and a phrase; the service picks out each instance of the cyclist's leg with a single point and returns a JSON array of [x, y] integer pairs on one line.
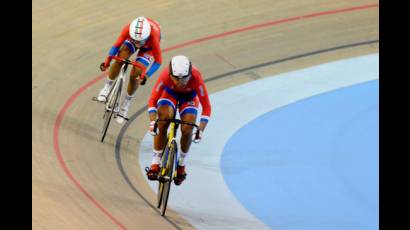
[[188, 113], [166, 109], [143, 58], [125, 52], [132, 86]]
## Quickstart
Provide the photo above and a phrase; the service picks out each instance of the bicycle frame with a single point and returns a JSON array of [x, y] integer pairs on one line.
[[174, 125], [121, 76], [171, 136]]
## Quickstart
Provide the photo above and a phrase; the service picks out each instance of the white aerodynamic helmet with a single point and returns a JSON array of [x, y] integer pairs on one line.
[[140, 29], [180, 67]]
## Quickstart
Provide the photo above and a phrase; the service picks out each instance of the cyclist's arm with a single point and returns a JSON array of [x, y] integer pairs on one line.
[[155, 95], [202, 125], [123, 36], [205, 103], [156, 50]]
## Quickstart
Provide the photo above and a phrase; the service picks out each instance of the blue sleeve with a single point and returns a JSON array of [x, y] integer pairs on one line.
[[113, 51], [153, 68]]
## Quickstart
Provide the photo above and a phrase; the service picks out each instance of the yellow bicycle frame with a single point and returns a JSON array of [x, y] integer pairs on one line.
[[170, 138], [171, 133]]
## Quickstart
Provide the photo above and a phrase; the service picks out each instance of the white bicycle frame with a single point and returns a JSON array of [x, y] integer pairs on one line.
[[121, 76]]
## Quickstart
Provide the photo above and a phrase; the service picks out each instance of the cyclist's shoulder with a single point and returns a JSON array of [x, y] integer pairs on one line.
[[195, 69], [155, 26], [164, 76], [126, 26], [196, 73], [125, 29], [165, 72]]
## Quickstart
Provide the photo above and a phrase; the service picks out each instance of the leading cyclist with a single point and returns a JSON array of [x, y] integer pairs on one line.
[[144, 34], [180, 81]]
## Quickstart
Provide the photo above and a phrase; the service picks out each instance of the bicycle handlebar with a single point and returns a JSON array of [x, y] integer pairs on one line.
[[125, 60], [134, 63], [178, 121]]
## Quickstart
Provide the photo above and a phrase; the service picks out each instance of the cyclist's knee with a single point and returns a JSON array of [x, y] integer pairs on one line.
[[135, 73], [164, 112], [124, 52], [186, 130]]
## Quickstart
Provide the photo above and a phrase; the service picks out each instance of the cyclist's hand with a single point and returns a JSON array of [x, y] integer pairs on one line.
[[143, 78], [197, 138], [105, 64], [102, 67], [153, 129]]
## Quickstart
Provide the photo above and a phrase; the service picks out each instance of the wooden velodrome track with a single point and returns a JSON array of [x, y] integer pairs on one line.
[[80, 183]]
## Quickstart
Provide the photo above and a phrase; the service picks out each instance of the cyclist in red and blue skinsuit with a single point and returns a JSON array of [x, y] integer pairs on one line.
[[180, 81], [143, 34]]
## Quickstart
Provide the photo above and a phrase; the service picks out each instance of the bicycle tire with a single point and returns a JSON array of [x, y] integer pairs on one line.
[[108, 98], [108, 114], [167, 184], [161, 184], [159, 194]]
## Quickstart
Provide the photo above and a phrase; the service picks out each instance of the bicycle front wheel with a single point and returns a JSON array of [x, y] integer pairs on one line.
[[112, 104], [168, 182], [160, 182]]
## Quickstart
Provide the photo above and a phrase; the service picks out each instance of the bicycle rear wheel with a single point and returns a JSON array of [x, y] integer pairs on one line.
[[168, 182], [112, 105]]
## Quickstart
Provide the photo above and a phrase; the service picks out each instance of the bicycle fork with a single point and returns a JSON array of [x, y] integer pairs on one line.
[[167, 164]]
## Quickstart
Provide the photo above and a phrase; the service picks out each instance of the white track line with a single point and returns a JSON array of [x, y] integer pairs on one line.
[[204, 199]]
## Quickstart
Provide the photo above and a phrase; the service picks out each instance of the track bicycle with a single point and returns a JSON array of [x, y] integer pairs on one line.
[[112, 104], [169, 160]]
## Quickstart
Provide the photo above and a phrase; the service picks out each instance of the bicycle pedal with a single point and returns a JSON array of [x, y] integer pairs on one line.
[[95, 99], [163, 179]]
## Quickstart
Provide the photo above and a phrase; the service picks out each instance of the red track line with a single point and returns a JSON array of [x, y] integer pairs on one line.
[[57, 125], [73, 97], [270, 23]]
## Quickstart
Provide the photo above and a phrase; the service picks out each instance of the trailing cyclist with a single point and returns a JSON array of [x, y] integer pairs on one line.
[[143, 34], [180, 81]]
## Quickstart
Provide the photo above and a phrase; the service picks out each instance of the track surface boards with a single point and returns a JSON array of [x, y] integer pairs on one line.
[[77, 182]]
